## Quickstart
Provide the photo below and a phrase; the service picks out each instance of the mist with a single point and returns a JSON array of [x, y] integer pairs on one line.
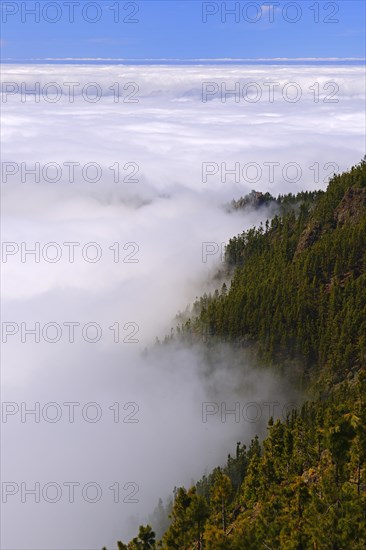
[[142, 249]]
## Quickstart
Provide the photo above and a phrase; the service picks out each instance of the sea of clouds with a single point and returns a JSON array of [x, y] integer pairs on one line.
[[159, 213]]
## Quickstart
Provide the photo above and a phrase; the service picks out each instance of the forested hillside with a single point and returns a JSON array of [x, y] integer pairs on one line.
[[297, 296]]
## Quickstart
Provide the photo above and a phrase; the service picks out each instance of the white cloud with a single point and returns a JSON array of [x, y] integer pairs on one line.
[[169, 213]]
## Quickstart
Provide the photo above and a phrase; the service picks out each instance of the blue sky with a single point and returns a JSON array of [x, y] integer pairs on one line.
[[175, 29]]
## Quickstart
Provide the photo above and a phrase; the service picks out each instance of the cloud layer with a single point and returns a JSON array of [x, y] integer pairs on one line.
[[161, 220]]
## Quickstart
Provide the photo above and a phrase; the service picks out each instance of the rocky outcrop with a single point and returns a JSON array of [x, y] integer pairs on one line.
[[309, 236], [352, 206], [350, 210]]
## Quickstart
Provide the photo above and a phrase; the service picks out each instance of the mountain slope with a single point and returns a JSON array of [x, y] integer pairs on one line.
[[298, 287], [298, 297]]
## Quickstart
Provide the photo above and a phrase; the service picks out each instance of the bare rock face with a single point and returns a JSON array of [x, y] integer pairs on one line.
[[308, 237], [352, 206], [350, 210]]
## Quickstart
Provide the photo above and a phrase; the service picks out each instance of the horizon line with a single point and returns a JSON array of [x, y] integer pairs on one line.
[[187, 59]]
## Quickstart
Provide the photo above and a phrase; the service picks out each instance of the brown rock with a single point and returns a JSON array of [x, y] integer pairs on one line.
[[352, 206]]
